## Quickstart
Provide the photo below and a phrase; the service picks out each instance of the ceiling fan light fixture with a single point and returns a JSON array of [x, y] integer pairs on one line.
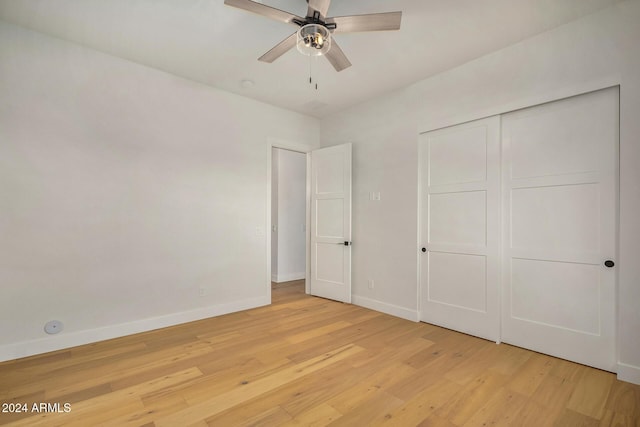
[[314, 37], [313, 40]]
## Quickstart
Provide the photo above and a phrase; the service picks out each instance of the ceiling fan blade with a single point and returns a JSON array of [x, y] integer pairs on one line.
[[280, 49], [260, 9], [321, 6], [372, 22], [336, 57]]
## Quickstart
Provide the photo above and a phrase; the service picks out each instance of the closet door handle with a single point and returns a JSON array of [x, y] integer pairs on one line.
[[609, 263]]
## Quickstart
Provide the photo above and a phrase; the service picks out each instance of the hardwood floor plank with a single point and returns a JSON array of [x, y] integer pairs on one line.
[[567, 371], [435, 421], [479, 356], [376, 383], [390, 354], [591, 393], [569, 418], [615, 419], [223, 382], [305, 394], [553, 394], [376, 407], [511, 359], [317, 332], [624, 399], [100, 408], [296, 397], [275, 416], [248, 391], [437, 360], [422, 405], [147, 414], [472, 397], [308, 349], [251, 411], [320, 415], [532, 373], [535, 414], [126, 368], [502, 409]]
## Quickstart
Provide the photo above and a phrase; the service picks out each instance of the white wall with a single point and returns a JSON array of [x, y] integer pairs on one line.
[[597, 51], [291, 216], [125, 192]]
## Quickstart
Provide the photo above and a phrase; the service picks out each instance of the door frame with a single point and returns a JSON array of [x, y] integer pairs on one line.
[[299, 148]]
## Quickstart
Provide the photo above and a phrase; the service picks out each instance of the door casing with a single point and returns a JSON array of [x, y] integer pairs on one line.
[[292, 146], [300, 148]]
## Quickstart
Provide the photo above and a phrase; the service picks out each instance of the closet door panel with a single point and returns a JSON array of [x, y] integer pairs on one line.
[[459, 223], [560, 202]]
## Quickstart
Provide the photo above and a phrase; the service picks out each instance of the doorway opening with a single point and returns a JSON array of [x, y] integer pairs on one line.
[[288, 218]]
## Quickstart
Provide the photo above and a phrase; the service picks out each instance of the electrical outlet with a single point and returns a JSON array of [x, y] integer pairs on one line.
[[371, 284], [202, 291]]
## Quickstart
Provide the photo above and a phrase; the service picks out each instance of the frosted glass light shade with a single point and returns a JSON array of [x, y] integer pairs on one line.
[[313, 40]]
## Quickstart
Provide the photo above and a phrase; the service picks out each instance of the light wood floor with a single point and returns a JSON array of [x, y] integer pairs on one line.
[[307, 361]]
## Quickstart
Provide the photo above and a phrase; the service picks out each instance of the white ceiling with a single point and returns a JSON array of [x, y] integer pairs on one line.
[[214, 44]]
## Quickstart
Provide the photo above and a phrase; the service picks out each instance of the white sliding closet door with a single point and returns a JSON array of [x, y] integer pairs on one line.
[[560, 165], [460, 227]]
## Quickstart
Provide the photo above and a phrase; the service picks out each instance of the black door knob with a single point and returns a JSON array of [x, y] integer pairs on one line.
[[609, 263], [424, 249]]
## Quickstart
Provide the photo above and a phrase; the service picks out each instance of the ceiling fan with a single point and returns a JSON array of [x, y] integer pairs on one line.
[[314, 35]]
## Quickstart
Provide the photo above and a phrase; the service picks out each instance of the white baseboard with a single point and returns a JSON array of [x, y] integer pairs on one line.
[[274, 277], [383, 307], [629, 373], [287, 277], [62, 341]]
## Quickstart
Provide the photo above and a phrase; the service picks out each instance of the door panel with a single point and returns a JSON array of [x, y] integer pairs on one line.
[[459, 223], [330, 218], [458, 280], [454, 160], [559, 294], [458, 218], [555, 217], [560, 192], [557, 138], [331, 223]]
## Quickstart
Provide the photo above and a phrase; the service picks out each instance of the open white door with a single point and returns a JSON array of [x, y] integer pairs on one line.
[[331, 223]]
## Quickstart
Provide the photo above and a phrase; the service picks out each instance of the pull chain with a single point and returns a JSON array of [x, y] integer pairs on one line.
[[311, 74]]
